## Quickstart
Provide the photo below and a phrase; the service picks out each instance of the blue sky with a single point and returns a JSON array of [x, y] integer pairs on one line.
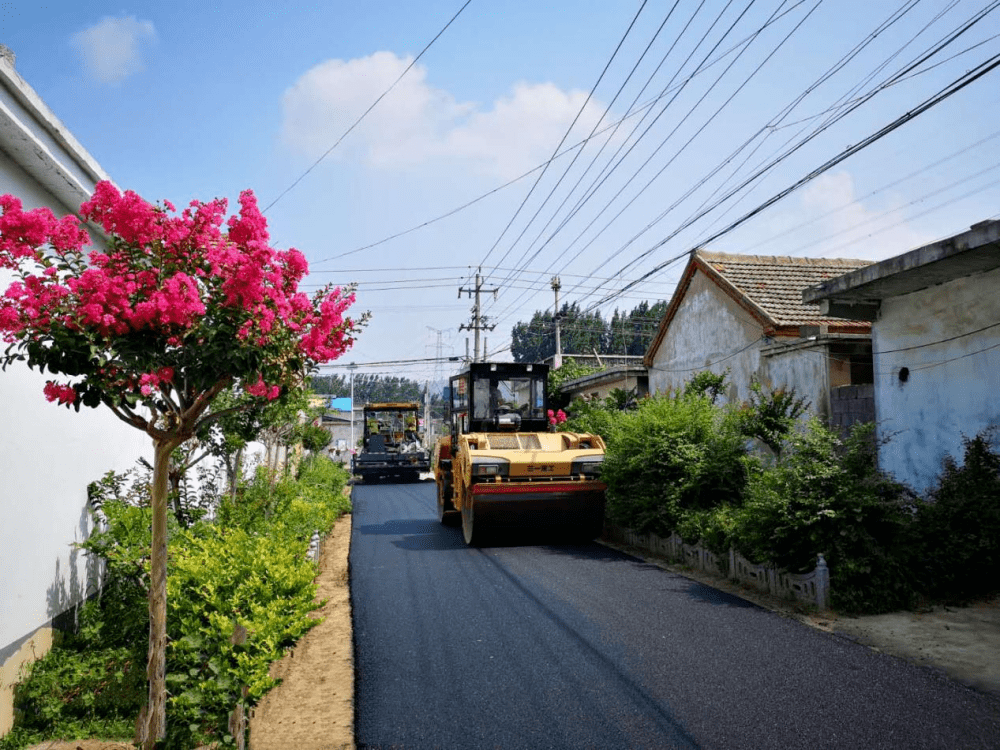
[[190, 100]]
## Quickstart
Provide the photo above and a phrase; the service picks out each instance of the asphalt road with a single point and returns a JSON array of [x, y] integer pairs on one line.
[[536, 645]]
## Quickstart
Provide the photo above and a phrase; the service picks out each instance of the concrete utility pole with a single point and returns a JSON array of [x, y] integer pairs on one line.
[[428, 425], [557, 360], [478, 321], [352, 367]]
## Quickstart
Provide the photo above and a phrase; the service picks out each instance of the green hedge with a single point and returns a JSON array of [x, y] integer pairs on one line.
[[245, 571], [670, 457]]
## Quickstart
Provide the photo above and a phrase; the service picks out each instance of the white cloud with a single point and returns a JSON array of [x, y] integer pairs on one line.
[[857, 227], [111, 50], [416, 123]]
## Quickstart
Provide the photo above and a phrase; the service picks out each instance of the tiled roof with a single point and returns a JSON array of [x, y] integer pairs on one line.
[[774, 284]]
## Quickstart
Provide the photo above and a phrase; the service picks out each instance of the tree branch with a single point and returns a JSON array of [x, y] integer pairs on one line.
[[126, 415]]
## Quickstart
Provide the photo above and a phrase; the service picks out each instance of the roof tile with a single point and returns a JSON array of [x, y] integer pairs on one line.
[[775, 283]]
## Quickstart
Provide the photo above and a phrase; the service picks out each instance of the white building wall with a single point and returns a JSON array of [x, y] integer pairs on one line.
[[952, 387], [805, 370], [48, 454], [709, 331]]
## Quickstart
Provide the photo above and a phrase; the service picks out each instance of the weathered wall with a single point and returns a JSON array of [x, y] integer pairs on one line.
[[805, 370], [709, 331], [48, 454], [850, 404], [951, 387]]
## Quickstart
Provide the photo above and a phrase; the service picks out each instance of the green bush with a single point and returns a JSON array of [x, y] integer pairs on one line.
[[85, 693], [592, 416], [222, 580], [671, 456], [827, 496], [315, 438], [957, 547], [770, 415], [246, 572]]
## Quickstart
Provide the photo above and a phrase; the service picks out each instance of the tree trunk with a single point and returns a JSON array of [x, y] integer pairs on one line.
[[174, 477], [156, 671], [237, 474]]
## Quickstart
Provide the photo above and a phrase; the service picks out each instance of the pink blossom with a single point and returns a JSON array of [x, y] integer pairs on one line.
[[165, 281], [64, 394], [264, 391]]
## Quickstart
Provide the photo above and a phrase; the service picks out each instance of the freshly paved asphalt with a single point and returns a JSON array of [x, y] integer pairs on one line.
[[537, 645]]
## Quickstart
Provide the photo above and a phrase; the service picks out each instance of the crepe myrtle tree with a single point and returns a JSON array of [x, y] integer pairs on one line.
[[181, 306]]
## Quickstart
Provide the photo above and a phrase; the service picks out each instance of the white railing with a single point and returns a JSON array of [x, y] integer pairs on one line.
[[811, 588]]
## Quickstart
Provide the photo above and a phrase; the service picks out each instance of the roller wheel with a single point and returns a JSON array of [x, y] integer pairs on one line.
[[473, 536], [447, 514]]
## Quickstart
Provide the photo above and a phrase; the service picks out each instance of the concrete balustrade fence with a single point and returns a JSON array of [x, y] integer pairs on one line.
[[810, 588]]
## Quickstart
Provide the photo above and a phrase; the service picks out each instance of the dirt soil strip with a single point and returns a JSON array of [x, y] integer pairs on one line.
[[313, 707]]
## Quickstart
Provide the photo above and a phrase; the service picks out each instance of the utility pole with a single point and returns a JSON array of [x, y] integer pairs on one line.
[[428, 424], [557, 360], [478, 321], [352, 367]]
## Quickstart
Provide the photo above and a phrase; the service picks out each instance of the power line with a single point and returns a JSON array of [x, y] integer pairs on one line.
[[563, 139], [703, 65], [853, 105], [953, 88]]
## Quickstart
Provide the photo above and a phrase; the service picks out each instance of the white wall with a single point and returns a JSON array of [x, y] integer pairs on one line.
[[953, 387], [706, 330], [805, 369], [48, 454]]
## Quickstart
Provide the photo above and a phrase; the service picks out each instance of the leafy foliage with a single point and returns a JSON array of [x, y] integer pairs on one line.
[[957, 550], [707, 383], [770, 415], [585, 415], [314, 438], [240, 573], [84, 692], [369, 388], [585, 333], [672, 455], [827, 496], [570, 370]]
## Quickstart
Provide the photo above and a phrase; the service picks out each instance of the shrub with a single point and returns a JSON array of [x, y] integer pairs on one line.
[[707, 383], [223, 580], [827, 496], [246, 572], [315, 438], [592, 416], [84, 692], [770, 415], [672, 455], [958, 529]]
